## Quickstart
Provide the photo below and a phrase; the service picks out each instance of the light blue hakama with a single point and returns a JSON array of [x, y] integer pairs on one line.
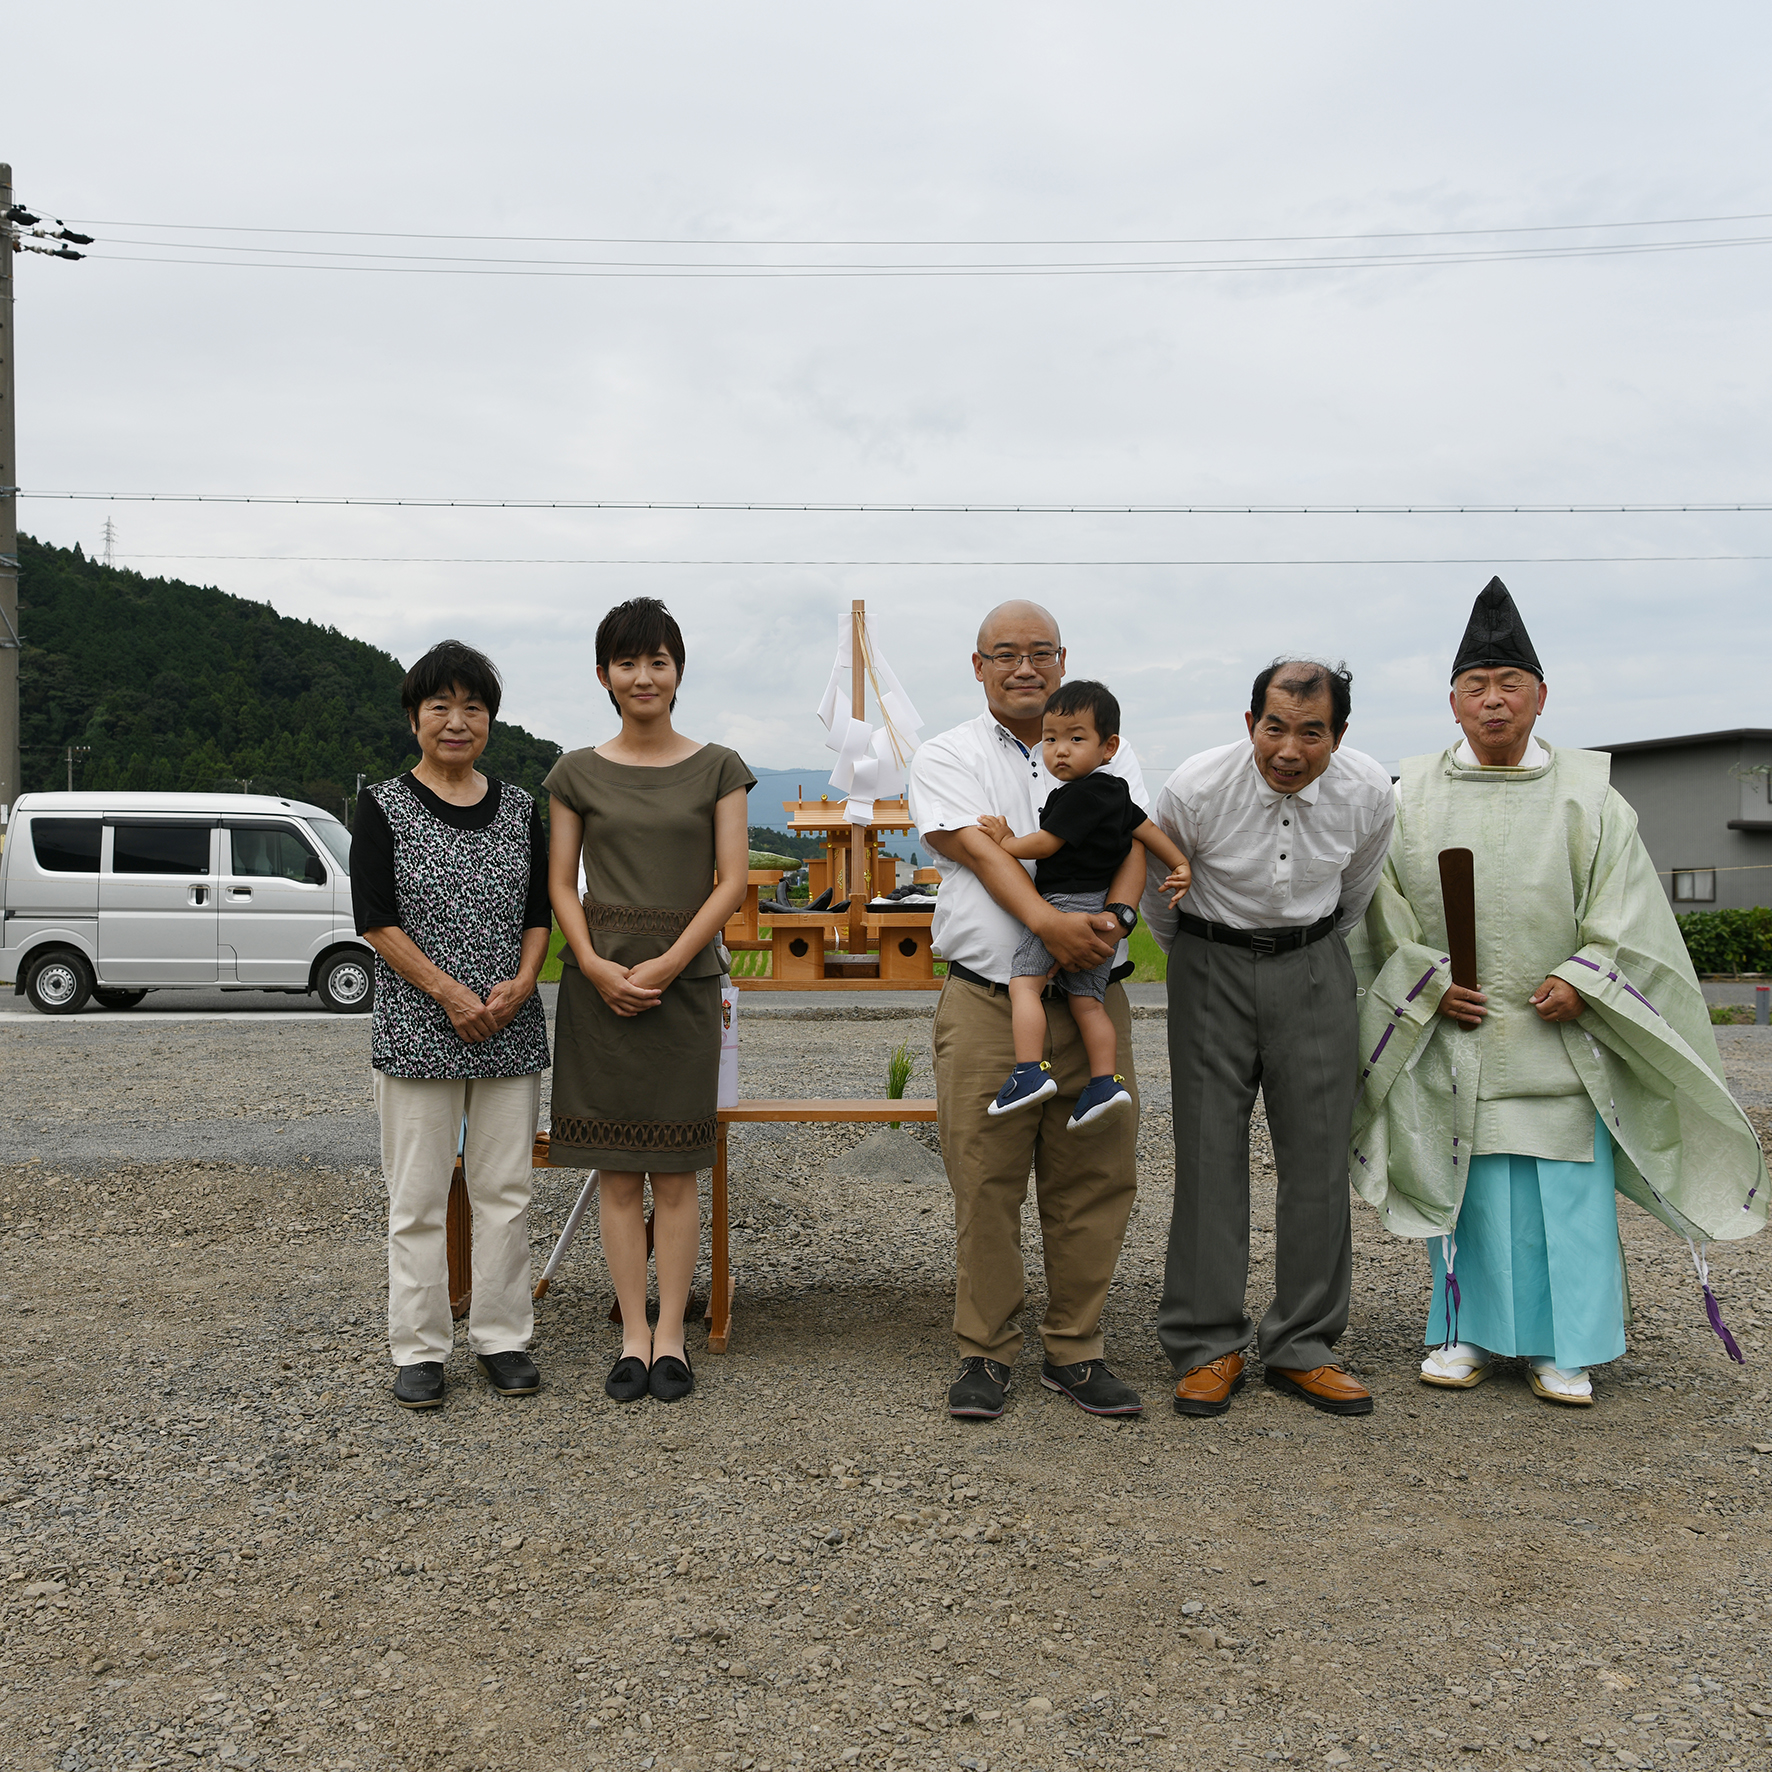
[[1538, 1264]]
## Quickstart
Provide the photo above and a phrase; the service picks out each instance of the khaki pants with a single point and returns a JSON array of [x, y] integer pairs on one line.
[[420, 1124], [1084, 1181]]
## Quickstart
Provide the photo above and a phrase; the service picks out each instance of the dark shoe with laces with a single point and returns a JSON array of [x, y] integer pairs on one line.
[[1090, 1385], [419, 1386], [628, 1379], [511, 1374], [671, 1378], [978, 1393]]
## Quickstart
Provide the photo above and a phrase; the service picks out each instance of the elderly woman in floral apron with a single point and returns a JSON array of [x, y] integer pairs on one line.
[[649, 815], [449, 883]]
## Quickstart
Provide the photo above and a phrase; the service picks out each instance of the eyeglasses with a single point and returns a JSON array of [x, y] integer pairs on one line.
[[1041, 658]]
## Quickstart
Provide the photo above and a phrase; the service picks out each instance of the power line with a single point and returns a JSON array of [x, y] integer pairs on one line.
[[1075, 508], [714, 271], [534, 560], [1690, 221]]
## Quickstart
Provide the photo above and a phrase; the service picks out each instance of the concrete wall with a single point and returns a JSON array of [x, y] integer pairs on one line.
[[1684, 797]]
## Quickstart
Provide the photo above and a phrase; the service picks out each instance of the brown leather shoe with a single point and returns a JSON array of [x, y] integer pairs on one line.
[[1207, 1390], [1324, 1387]]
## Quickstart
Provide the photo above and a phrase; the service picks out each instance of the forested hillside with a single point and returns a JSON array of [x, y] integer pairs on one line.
[[178, 686]]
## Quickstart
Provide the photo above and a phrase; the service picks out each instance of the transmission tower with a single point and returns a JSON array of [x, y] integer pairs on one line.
[[110, 542]]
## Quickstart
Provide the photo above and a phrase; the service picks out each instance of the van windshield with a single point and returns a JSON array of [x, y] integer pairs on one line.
[[335, 837]]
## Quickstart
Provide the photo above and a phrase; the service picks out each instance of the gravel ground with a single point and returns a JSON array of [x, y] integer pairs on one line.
[[224, 1543]]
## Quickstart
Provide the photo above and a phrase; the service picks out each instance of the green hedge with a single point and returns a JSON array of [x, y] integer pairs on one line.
[[1728, 941]]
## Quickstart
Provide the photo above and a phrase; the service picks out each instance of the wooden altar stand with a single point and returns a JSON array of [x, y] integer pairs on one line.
[[873, 1111], [863, 948]]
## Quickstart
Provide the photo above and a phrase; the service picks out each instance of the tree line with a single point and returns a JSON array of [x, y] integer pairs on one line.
[[166, 686]]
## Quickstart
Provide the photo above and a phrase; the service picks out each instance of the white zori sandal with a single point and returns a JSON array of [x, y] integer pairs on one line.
[[1557, 1384], [1457, 1367]]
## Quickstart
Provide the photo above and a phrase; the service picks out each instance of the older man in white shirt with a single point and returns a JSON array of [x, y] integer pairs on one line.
[[1287, 836], [1084, 1180]]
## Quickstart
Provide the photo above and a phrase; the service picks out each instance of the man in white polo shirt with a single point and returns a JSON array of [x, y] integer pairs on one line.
[[1286, 834], [1084, 1180]]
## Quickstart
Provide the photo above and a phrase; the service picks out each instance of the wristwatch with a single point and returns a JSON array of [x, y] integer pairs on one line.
[[1127, 915]]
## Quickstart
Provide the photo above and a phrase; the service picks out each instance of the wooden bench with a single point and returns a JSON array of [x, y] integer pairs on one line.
[[862, 1110]]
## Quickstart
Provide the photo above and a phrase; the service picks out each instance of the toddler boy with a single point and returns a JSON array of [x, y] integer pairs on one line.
[[1087, 827]]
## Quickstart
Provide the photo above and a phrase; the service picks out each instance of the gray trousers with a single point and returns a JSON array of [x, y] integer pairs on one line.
[[1286, 1024]]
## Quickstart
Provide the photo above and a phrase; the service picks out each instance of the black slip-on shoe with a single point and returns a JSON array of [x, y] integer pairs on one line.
[[978, 1393], [1090, 1385], [627, 1380], [419, 1386], [671, 1378], [511, 1374]]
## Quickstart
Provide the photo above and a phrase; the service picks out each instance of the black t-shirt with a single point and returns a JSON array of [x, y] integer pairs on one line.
[[373, 898], [1096, 817]]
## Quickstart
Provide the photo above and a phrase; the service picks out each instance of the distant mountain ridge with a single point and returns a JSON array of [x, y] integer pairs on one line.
[[174, 686]]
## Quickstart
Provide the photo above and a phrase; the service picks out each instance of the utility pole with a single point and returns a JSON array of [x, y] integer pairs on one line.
[[20, 231], [10, 782], [76, 750]]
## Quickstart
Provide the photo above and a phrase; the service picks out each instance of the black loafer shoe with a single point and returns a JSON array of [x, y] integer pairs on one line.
[[627, 1380], [511, 1374], [1090, 1385], [420, 1386], [978, 1394], [671, 1378]]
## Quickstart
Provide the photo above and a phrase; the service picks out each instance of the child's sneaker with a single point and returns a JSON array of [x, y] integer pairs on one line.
[[1105, 1095], [1027, 1084]]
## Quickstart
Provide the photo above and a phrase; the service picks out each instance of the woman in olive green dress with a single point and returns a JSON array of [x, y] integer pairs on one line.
[[650, 814]]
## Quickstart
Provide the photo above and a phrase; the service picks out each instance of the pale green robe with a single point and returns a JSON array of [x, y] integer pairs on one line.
[[1565, 888]]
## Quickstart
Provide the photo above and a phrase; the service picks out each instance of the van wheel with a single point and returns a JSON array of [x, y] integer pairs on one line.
[[117, 999], [347, 984], [59, 984]]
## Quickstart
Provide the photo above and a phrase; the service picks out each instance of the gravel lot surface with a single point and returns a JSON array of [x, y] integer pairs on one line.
[[223, 1543]]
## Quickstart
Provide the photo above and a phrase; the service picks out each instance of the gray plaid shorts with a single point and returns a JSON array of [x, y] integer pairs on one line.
[[1033, 961]]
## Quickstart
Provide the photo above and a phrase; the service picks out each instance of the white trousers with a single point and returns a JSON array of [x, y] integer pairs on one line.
[[420, 1126]]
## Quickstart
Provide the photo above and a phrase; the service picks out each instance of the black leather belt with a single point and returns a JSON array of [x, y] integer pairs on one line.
[[1263, 941], [967, 976]]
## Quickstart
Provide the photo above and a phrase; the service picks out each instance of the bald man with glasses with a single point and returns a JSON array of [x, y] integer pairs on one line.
[[1084, 1183]]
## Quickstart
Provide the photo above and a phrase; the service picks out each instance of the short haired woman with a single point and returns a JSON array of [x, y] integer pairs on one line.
[[449, 882], [650, 814]]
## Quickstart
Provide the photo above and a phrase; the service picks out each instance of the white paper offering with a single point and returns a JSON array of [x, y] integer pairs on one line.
[[871, 760]]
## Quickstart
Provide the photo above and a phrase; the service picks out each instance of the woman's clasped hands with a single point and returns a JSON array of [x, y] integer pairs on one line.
[[630, 989]]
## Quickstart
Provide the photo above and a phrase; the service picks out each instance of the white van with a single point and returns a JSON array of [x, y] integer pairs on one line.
[[110, 896]]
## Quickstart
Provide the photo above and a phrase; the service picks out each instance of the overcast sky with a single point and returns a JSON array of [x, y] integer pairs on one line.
[[1633, 378]]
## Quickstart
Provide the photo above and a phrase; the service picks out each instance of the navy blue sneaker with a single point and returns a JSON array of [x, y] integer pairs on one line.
[[1105, 1095], [1027, 1084]]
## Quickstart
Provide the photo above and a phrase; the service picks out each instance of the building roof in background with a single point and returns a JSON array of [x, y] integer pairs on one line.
[[1735, 733]]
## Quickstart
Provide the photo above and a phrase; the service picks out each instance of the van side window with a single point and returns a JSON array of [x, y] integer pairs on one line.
[[270, 854], [66, 845], [160, 849]]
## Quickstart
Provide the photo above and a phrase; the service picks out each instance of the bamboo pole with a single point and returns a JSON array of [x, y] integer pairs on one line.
[[860, 887]]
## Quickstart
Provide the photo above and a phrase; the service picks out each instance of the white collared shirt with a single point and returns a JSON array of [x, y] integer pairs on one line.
[[1535, 758], [978, 768], [1266, 860]]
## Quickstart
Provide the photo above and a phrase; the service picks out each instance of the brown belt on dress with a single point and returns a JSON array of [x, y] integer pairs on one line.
[[635, 919]]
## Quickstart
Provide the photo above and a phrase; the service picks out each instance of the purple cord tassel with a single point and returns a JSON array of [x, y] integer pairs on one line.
[[1715, 1314], [1453, 1301]]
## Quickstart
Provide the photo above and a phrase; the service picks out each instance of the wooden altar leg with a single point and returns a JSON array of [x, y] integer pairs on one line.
[[458, 1239], [721, 1290]]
